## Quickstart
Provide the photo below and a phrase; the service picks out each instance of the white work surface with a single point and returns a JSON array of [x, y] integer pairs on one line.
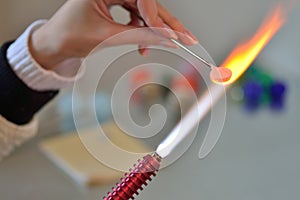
[[257, 157]]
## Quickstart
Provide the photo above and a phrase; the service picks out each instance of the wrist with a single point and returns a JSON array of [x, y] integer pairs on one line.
[[32, 73], [46, 51]]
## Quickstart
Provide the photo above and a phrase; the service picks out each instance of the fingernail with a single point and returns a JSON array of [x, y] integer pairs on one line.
[[170, 31], [191, 36], [144, 51], [168, 44]]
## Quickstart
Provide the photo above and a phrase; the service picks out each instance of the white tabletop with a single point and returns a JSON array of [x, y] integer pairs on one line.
[[257, 157]]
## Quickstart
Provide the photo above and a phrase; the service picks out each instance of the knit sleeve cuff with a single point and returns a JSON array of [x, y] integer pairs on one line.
[[35, 76], [12, 135]]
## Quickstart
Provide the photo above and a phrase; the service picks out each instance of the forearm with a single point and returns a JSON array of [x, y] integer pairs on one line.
[[18, 104], [25, 87]]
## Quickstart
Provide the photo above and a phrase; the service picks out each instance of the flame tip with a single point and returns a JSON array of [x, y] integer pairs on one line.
[[244, 54]]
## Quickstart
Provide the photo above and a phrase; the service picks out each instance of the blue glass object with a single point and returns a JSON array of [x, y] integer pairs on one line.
[[252, 94], [277, 93]]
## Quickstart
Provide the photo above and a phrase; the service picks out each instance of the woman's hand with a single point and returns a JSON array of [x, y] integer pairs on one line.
[[80, 25]]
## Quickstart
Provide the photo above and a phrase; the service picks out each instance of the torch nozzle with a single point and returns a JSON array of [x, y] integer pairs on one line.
[[136, 179]]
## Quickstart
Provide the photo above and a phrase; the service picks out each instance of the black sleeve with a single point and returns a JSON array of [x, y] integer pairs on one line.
[[18, 103]]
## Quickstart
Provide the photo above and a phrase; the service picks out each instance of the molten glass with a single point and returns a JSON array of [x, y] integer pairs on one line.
[[220, 74]]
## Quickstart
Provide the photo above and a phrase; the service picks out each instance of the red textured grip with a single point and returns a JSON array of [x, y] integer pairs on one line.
[[136, 179]]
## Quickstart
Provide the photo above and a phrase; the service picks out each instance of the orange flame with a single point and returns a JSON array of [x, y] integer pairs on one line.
[[243, 55]]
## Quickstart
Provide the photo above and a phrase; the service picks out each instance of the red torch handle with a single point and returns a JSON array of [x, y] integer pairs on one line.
[[136, 179]]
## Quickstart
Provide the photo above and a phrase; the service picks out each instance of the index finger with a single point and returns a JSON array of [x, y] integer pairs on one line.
[[186, 37], [149, 12]]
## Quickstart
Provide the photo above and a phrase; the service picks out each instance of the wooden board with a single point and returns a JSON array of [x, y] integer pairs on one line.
[[69, 154]]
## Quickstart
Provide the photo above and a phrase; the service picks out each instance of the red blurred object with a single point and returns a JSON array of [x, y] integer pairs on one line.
[[136, 179], [140, 77], [185, 82], [192, 78]]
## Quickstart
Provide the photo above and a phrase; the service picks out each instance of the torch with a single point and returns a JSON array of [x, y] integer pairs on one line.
[[237, 62]]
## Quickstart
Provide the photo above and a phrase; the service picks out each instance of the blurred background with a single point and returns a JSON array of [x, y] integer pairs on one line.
[[257, 154]]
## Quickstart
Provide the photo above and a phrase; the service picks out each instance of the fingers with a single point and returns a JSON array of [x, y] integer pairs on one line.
[[142, 36], [144, 50], [103, 9], [149, 12], [135, 21], [155, 15], [160, 20], [186, 37]]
